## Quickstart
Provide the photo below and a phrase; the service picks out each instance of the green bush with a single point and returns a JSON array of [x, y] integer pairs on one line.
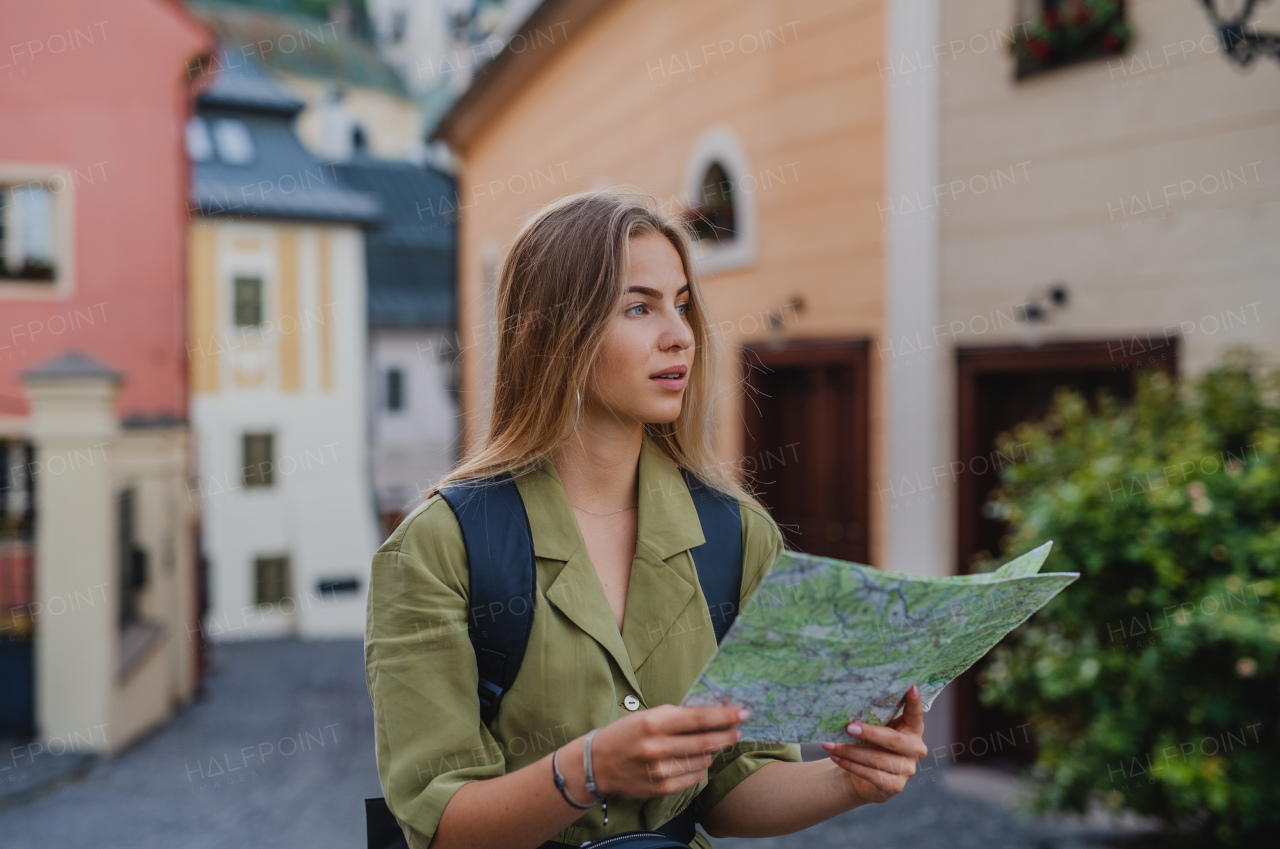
[[1153, 681]]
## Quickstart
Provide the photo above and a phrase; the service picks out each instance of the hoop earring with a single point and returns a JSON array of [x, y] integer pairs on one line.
[[579, 415]]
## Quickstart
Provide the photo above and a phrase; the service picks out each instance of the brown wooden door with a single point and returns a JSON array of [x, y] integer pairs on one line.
[[998, 387], [806, 419]]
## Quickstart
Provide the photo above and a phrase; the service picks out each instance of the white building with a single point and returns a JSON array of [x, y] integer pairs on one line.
[[278, 346]]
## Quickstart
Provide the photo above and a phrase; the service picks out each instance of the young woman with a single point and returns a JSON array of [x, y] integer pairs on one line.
[[604, 388]]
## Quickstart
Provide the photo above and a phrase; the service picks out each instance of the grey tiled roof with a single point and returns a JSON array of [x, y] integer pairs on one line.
[[240, 84], [71, 365], [410, 253], [278, 199], [283, 179]]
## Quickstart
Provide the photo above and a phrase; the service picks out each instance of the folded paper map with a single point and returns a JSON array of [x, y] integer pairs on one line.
[[824, 641]]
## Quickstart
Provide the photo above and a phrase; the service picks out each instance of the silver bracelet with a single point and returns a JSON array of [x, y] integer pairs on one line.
[[560, 784], [590, 775]]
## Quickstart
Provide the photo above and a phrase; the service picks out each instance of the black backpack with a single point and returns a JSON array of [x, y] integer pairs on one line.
[[496, 532]]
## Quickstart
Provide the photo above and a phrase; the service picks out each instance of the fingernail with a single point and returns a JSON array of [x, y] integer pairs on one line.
[[915, 691], [854, 729], [738, 732], [743, 714], [830, 747]]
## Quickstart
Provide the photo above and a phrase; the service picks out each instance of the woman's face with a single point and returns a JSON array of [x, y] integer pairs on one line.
[[642, 370]]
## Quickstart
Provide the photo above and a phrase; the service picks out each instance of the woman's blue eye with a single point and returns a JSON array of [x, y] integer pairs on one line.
[[682, 308]]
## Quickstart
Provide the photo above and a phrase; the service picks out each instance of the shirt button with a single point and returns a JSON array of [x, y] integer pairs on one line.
[[631, 703]]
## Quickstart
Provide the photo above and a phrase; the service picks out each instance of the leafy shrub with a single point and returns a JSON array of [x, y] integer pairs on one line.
[[1153, 681]]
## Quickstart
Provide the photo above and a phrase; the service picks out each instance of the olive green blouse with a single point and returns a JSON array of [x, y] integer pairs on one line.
[[579, 671]]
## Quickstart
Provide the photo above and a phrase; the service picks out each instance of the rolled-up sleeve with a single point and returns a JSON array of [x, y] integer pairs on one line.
[[421, 672], [762, 542]]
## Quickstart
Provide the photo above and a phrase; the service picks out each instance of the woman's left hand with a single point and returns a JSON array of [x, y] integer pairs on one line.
[[878, 770]]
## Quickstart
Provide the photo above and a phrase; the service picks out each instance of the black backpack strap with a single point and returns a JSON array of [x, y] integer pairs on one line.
[[495, 529], [719, 559], [381, 828]]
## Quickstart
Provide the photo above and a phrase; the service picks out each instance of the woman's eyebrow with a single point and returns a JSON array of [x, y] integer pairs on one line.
[[654, 293]]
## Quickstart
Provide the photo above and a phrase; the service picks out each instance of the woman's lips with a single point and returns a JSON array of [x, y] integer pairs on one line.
[[670, 382]]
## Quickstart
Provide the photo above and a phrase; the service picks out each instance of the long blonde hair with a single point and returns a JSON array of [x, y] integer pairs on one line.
[[558, 288]]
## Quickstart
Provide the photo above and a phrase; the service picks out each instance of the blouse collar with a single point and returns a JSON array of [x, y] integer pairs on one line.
[[667, 522]]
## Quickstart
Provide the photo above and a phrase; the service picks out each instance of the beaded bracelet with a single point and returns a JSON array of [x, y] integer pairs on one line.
[[560, 785]]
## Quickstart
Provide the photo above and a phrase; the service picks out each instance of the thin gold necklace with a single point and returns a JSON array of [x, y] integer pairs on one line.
[[610, 513]]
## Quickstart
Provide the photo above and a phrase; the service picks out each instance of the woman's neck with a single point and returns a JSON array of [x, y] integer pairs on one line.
[[599, 466]]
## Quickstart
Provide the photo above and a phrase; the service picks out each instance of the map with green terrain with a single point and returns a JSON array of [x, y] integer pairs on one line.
[[825, 641]]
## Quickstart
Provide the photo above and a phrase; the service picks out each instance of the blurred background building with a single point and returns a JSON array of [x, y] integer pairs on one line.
[[99, 629], [413, 351], [278, 341], [437, 46], [257, 518], [354, 101], [1072, 220]]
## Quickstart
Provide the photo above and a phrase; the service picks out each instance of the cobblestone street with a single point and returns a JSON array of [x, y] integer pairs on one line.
[[279, 753]]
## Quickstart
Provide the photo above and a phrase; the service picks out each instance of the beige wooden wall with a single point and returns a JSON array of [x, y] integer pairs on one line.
[[1147, 183], [624, 103]]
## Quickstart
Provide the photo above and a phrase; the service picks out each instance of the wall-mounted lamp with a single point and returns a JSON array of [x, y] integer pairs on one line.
[[1036, 308], [1240, 39], [1034, 312], [775, 319]]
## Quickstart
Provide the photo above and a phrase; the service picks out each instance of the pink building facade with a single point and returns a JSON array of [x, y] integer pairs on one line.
[[95, 96], [99, 589]]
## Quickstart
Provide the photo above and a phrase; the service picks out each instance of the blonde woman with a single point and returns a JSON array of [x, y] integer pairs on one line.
[[604, 387]]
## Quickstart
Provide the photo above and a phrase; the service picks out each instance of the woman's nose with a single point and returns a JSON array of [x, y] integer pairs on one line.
[[678, 332]]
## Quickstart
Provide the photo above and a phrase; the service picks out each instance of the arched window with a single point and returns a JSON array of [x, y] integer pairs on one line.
[[713, 217], [720, 203]]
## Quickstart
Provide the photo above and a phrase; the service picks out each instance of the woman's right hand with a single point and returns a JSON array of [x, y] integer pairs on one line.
[[662, 750]]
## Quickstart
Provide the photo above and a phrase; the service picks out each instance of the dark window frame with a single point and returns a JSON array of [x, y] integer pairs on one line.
[[280, 585], [131, 558], [31, 270], [257, 466], [242, 313], [393, 389]]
